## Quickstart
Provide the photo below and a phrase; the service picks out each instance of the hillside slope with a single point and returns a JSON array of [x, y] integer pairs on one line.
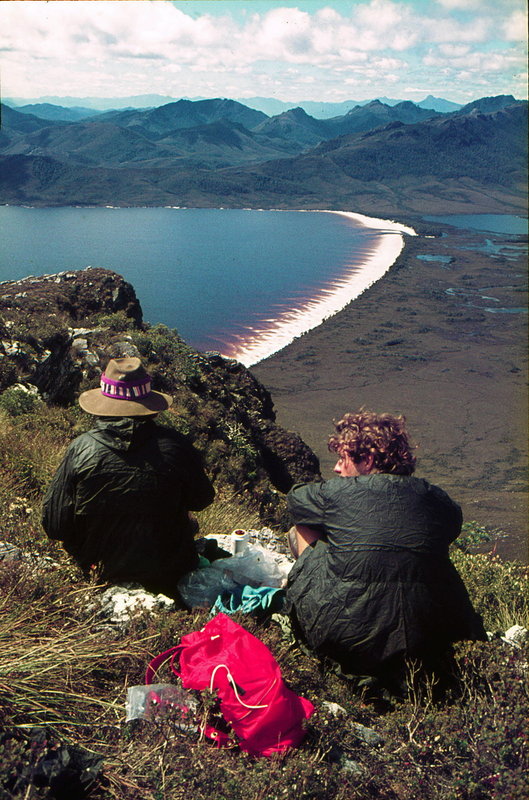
[[443, 164]]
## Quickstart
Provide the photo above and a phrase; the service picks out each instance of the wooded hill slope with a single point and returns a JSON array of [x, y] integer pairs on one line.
[[220, 152]]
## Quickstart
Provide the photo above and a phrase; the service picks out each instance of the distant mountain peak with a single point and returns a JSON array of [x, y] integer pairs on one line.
[[297, 112], [487, 104], [439, 104]]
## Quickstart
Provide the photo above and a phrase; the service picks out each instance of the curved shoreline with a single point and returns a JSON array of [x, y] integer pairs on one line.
[[264, 342]]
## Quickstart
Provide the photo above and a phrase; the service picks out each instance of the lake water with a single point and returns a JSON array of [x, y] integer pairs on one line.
[[239, 281], [222, 278], [495, 223]]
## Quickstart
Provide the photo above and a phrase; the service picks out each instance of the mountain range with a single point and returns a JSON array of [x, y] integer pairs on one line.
[[222, 152], [87, 106]]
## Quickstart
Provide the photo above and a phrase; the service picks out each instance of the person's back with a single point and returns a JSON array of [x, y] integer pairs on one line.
[[120, 499], [377, 585]]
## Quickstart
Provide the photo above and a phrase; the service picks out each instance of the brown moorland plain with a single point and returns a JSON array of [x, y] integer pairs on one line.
[[443, 342]]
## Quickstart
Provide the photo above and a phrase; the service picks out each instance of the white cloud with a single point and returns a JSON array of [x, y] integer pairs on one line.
[[282, 33], [327, 14], [454, 50], [100, 28], [475, 64], [382, 16], [450, 30], [157, 46], [515, 27], [387, 24], [459, 5]]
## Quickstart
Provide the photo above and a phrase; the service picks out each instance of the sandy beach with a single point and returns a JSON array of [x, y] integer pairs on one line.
[[441, 337], [280, 332]]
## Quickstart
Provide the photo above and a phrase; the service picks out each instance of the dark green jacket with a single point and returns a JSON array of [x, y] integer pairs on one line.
[[380, 585], [120, 500]]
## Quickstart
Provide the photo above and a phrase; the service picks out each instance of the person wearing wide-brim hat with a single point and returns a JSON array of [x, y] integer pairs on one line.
[[125, 391], [120, 499]]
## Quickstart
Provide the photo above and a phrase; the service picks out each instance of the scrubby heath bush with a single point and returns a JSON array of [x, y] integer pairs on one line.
[[64, 672]]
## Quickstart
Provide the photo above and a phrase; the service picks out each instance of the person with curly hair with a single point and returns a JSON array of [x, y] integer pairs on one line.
[[373, 586]]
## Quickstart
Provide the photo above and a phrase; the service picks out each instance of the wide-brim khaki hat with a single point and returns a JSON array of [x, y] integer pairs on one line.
[[125, 391]]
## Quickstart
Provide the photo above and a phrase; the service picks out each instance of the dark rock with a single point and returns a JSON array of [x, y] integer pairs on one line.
[[36, 320], [352, 767], [71, 296], [366, 735], [286, 457], [68, 771]]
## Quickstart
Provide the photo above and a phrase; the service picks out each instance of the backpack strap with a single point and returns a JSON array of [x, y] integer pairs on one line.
[[233, 685], [168, 655]]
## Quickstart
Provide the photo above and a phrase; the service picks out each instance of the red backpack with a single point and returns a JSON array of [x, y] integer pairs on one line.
[[265, 714]]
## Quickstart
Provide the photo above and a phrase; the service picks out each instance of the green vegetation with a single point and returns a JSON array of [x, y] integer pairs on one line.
[[18, 400], [64, 672]]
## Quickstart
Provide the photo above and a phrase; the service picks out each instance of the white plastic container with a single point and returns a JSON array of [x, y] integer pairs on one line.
[[239, 541]]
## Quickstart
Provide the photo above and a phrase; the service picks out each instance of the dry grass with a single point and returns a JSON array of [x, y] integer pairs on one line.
[[54, 661], [226, 514]]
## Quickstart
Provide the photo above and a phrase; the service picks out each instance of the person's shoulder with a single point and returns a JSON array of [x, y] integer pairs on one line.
[[424, 486], [379, 483], [174, 441], [81, 446], [340, 483], [81, 441], [335, 486], [433, 493]]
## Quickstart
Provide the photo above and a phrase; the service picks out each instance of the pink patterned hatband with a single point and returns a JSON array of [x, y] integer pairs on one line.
[[125, 390]]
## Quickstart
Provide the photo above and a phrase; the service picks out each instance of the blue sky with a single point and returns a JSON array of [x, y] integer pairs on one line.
[[293, 51]]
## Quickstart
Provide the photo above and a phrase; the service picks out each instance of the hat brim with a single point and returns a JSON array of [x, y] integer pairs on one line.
[[94, 402]]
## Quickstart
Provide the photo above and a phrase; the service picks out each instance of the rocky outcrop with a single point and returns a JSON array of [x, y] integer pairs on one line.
[[44, 322], [57, 333]]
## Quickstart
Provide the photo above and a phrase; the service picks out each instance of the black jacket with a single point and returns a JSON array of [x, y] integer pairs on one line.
[[120, 498], [380, 585]]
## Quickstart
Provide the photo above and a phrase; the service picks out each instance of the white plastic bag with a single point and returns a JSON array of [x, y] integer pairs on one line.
[[255, 566]]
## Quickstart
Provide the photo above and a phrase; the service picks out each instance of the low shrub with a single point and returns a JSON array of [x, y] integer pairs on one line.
[[117, 321], [18, 400], [498, 588], [8, 373]]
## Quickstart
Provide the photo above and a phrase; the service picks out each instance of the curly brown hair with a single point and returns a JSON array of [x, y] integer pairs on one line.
[[381, 435]]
